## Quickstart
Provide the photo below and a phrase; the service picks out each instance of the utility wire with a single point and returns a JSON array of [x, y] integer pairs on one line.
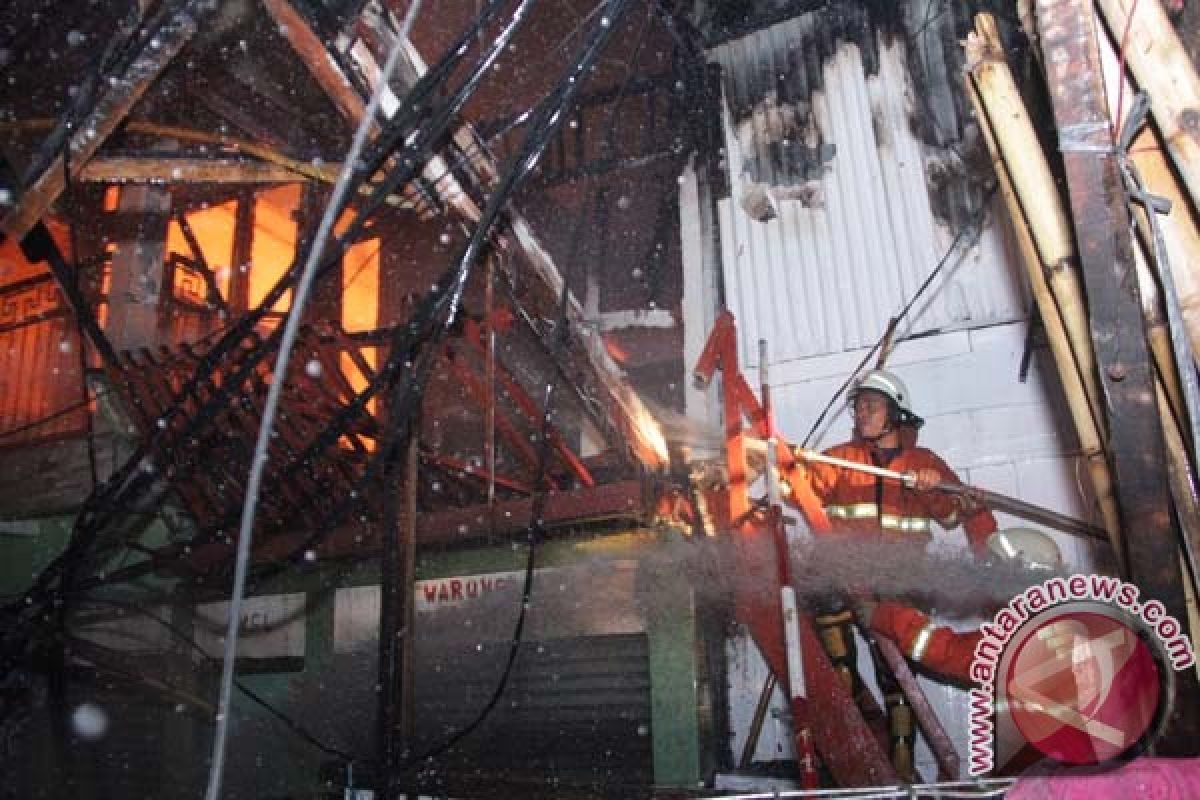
[[292, 725], [291, 329], [975, 226], [535, 532], [415, 127]]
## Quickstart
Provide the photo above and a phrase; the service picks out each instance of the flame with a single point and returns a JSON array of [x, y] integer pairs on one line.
[[650, 442]]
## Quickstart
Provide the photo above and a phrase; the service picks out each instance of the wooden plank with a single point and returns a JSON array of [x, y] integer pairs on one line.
[[1098, 205], [140, 169], [121, 94]]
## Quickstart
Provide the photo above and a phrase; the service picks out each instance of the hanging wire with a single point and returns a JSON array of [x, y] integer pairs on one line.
[[418, 129], [975, 227], [184, 637], [290, 332]]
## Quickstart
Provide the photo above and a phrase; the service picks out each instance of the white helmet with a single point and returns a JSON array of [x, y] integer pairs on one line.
[[890, 386], [1026, 546]]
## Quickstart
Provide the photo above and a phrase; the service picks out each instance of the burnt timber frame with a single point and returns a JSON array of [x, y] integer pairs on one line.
[[214, 399], [1102, 225], [109, 110]]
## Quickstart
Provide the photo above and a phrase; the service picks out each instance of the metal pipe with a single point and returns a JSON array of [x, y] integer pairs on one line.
[[939, 741], [756, 722]]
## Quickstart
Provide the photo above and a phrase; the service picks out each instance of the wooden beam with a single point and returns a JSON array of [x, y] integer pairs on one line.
[[316, 56], [120, 95], [139, 169], [1101, 214]]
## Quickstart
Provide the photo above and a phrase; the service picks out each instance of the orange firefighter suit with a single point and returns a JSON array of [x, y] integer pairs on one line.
[[863, 505], [867, 505]]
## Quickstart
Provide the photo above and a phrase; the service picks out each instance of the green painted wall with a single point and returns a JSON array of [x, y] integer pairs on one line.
[[275, 762]]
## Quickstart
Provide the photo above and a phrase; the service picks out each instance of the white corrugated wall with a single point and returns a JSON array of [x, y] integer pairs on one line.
[[820, 281], [826, 277]]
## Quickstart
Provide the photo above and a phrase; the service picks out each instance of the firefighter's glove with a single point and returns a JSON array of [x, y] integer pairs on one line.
[[925, 479], [969, 501]]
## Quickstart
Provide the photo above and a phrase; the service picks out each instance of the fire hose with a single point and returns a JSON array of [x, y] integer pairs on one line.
[[993, 500]]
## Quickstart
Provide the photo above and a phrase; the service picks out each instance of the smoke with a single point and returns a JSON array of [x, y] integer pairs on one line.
[[827, 569], [934, 580], [688, 434]]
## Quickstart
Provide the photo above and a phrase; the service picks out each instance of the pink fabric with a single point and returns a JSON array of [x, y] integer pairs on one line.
[[1142, 778]]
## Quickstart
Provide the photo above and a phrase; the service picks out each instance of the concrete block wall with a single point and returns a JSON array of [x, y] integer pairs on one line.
[[995, 430]]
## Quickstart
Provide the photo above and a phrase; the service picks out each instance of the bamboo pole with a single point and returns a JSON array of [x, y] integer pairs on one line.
[[1181, 236], [1187, 506], [1034, 186], [1162, 67], [1158, 335], [1086, 426]]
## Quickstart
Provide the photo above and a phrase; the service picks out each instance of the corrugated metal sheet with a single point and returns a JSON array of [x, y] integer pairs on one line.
[[39, 364], [855, 226]]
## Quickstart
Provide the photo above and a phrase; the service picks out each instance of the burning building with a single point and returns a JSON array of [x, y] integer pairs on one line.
[[350, 432]]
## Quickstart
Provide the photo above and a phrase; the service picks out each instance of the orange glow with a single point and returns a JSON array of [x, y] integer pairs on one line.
[[618, 353], [105, 288], [360, 307], [358, 381], [360, 283], [214, 229], [112, 196], [274, 244]]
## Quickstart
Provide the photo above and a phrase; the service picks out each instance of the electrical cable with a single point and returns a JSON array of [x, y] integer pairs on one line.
[[190, 641], [291, 329], [974, 226], [1121, 68], [535, 532], [132, 477], [435, 316]]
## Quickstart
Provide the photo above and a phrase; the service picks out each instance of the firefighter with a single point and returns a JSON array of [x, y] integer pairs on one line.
[[871, 507], [885, 435]]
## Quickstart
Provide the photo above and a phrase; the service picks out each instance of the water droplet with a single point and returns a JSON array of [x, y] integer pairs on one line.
[[89, 721]]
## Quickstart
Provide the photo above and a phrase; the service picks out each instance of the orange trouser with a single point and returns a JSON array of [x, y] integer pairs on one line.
[[939, 648]]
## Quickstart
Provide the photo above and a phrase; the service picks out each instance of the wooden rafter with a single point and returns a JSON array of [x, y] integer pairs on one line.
[[316, 56], [136, 169], [119, 96]]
